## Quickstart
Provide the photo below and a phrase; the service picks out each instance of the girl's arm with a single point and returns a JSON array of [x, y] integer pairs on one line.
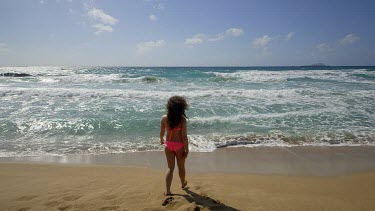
[[162, 130], [184, 137]]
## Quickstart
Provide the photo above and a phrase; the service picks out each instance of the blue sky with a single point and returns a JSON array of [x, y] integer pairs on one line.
[[186, 33]]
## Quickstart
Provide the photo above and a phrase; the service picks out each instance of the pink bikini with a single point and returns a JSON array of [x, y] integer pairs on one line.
[[173, 145]]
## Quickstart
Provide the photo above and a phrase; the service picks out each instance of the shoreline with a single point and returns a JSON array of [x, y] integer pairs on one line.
[[301, 160]]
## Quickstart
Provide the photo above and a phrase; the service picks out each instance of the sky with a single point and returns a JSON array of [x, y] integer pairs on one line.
[[186, 33]]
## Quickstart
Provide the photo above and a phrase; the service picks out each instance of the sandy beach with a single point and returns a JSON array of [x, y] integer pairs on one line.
[[315, 178]]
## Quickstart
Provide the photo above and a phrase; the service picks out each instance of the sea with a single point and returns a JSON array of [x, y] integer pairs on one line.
[[59, 111]]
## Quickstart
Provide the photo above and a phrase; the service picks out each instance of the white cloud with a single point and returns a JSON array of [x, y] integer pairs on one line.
[[289, 36], [195, 40], [325, 48], [201, 38], [2, 44], [235, 32], [145, 47], [100, 15], [348, 39], [262, 42], [105, 20], [216, 37], [102, 28], [153, 17]]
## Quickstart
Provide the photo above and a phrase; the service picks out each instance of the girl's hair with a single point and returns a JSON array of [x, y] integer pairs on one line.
[[176, 107]]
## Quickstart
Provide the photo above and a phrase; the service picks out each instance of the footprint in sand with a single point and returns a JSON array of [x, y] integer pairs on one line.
[[27, 198]]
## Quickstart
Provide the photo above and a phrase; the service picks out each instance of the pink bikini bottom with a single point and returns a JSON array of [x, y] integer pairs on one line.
[[173, 145]]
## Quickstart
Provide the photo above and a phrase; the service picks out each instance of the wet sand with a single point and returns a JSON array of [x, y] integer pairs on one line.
[[315, 161], [297, 178]]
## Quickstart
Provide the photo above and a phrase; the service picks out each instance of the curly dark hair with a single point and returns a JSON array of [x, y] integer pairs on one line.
[[176, 107]]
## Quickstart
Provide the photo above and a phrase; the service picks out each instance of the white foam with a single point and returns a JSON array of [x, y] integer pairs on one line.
[[162, 94], [237, 118], [258, 76], [38, 71], [199, 143], [48, 80]]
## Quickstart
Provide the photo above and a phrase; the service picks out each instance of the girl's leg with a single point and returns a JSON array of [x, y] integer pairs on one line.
[[171, 163], [180, 155]]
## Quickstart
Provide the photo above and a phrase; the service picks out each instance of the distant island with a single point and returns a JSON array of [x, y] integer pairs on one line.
[[316, 65]]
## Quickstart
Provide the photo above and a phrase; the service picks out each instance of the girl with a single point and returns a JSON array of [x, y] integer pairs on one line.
[[177, 145]]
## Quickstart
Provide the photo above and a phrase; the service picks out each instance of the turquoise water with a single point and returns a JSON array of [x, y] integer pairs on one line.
[[96, 110]]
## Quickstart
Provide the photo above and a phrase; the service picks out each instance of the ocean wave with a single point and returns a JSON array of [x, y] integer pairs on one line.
[[65, 75], [143, 79], [39, 71], [245, 117], [198, 93], [260, 76], [89, 79], [280, 139], [365, 76], [142, 75], [78, 126], [223, 79]]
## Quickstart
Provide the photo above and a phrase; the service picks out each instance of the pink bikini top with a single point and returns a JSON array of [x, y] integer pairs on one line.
[[171, 132]]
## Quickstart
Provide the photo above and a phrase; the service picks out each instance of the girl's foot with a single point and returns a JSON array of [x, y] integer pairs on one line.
[[167, 194], [184, 185]]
